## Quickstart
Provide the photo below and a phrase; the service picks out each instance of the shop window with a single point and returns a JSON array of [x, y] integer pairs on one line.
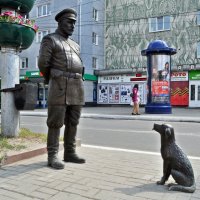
[[46, 92], [43, 10], [192, 95], [42, 93], [159, 24], [198, 95]]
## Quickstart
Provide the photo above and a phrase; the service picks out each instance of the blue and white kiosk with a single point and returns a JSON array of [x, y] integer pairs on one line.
[[158, 79]]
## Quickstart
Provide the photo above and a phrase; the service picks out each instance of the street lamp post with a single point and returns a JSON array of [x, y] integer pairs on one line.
[[9, 77], [16, 34]]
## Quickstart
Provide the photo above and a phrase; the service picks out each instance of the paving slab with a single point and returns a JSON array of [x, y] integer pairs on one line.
[[106, 175]]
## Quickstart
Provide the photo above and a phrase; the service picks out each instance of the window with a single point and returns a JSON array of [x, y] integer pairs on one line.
[[198, 17], [94, 62], [23, 63], [159, 23], [198, 50], [40, 35], [152, 24], [43, 10], [95, 14], [94, 38], [192, 94]]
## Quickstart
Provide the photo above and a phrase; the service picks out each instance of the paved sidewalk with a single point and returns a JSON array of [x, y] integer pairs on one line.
[[107, 175], [124, 112]]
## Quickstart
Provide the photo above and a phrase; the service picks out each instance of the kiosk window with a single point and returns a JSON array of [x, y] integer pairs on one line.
[[192, 95], [198, 92]]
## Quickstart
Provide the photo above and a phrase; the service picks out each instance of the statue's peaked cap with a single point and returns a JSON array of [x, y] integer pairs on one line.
[[68, 12]]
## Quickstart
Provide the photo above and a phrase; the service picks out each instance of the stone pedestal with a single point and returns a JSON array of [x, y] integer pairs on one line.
[[9, 65]]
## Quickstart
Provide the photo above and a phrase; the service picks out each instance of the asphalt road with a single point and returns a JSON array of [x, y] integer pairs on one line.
[[126, 134]]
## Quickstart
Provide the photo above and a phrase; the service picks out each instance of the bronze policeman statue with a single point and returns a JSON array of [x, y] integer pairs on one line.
[[60, 63]]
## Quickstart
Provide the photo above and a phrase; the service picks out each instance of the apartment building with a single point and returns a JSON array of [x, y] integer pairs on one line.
[[130, 26], [89, 34]]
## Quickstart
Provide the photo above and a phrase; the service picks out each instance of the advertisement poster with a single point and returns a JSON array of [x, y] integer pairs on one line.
[[180, 93], [179, 88], [103, 94], [113, 93], [160, 85], [160, 91], [125, 93]]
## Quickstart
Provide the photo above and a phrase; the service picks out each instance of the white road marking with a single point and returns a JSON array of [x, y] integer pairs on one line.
[[112, 130], [116, 130], [130, 151]]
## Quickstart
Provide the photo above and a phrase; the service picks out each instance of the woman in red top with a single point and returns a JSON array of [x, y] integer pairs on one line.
[[136, 100]]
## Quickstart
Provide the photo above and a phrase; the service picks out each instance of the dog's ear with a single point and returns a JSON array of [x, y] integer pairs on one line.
[[168, 132]]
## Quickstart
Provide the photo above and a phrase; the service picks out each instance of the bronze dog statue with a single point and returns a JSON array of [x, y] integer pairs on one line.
[[175, 161]]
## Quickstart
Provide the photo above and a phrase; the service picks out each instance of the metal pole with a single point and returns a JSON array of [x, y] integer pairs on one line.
[[9, 64]]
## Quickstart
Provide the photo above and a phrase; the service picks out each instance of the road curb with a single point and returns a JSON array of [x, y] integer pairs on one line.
[[24, 155], [125, 117], [32, 153], [145, 118]]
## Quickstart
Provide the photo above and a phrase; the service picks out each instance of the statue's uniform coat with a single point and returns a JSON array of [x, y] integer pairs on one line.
[[59, 53], [62, 68]]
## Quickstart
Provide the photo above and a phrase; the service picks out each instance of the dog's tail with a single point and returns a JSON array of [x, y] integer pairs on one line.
[[182, 188]]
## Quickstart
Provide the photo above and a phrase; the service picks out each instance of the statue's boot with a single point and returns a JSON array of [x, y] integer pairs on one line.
[[70, 145], [53, 148]]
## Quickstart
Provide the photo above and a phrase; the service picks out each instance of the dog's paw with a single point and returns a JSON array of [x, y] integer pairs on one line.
[[171, 184], [160, 182], [172, 188]]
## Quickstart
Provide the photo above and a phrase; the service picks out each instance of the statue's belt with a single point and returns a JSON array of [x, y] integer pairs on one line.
[[56, 73]]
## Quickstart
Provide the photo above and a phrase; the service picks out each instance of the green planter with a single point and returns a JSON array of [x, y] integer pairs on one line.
[[24, 5], [15, 35]]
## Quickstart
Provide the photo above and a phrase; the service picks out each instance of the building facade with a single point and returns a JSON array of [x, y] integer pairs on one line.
[[89, 34], [130, 26]]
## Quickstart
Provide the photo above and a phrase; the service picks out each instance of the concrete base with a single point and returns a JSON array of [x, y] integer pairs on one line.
[[9, 62], [158, 109]]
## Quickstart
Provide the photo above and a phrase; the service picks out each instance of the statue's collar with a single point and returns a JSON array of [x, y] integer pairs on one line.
[[58, 31]]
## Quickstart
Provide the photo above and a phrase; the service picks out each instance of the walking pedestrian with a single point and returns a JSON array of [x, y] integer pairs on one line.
[[136, 100]]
